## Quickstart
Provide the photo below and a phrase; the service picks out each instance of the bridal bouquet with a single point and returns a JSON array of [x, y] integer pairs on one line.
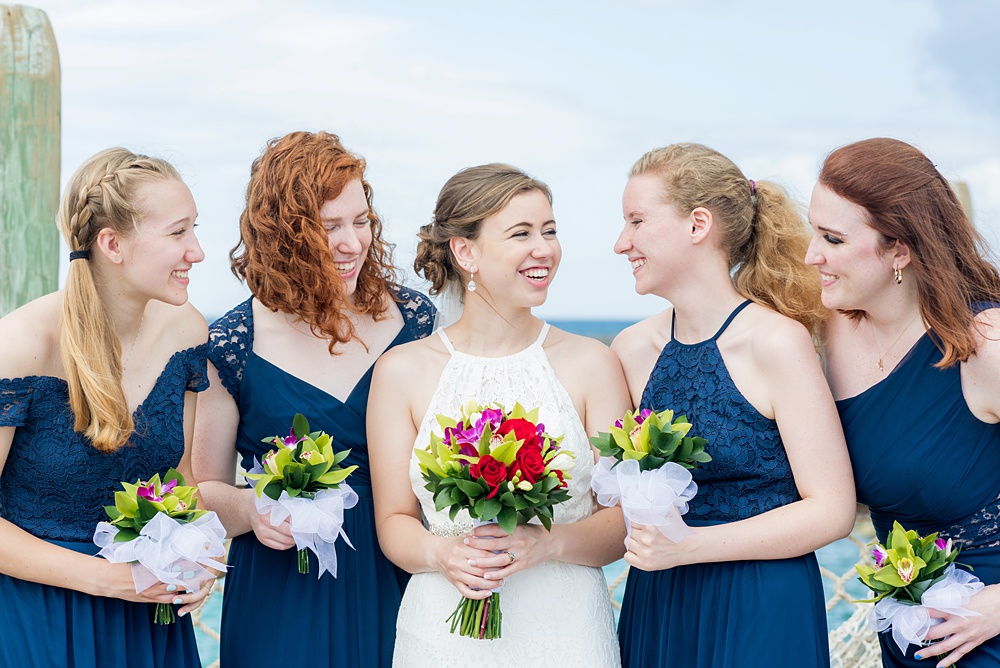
[[910, 574], [155, 525], [645, 465], [302, 478], [501, 466]]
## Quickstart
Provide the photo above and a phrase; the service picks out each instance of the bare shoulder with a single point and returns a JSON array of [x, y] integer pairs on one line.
[[580, 357], [644, 337], [184, 326], [777, 340], [986, 361], [30, 336], [412, 359]]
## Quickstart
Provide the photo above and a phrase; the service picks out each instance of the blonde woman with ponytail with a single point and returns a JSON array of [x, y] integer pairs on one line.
[[97, 386], [734, 353]]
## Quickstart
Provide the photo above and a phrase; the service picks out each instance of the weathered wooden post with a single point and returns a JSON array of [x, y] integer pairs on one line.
[[29, 156]]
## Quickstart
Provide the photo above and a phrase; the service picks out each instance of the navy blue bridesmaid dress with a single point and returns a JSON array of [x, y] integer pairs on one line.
[[734, 614], [921, 458], [271, 614], [55, 485]]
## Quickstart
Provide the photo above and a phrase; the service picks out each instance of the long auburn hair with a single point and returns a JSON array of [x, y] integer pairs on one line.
[[908, 200], [762, 230], [284, 254]]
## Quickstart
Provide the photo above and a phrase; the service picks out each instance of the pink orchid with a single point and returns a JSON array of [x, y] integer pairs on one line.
[[879, 555]]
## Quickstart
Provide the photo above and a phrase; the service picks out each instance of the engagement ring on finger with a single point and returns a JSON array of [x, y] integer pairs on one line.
[[511, 556]]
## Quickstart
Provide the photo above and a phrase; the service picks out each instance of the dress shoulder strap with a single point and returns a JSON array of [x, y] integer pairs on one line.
[[736, 312], [542, 334], [446, 341]]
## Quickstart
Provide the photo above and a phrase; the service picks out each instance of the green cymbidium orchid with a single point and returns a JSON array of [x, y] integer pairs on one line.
[[144, 499], [907, 567], [652, 439], [303, 464]]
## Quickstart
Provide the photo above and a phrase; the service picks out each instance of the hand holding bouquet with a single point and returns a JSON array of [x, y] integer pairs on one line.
[[911, 574], [156, 525], [302, 479], [645, 465], [500, 466]]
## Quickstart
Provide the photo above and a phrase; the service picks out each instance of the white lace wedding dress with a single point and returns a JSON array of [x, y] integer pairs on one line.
[[555, 614]]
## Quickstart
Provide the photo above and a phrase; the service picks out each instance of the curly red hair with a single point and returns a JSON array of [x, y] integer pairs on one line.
[[284, 254]]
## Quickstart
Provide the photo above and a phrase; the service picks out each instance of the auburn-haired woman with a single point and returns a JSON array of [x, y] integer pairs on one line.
[[734, 354], [913, 359], [325, 305], [97, 386]]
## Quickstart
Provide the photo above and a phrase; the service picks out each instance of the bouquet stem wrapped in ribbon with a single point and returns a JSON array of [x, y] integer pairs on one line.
[[302, 479], [501, 466], [911, 574], [645, 465], [156, 527]]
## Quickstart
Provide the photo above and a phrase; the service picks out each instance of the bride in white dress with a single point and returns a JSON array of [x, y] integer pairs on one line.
[[494, 236]]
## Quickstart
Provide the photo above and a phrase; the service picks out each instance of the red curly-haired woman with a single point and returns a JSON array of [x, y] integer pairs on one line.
[[325, 305]]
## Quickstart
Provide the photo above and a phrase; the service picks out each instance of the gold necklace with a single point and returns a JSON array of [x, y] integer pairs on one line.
[[128, 358], [879, 364]]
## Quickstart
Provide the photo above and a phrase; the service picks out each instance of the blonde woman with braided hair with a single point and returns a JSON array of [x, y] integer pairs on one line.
[[97, 386], [734, 353]]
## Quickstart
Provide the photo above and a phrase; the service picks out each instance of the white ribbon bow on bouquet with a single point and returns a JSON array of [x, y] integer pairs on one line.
[[167, 551], [316, 522], [657, 497], [910, 623]]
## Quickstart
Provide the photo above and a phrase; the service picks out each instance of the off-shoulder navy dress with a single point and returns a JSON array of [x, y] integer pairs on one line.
[[733, 614], [922, 458], [55, 485], [271, 614]]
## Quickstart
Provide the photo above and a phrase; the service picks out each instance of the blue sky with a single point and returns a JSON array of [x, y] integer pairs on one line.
[[572, 92]]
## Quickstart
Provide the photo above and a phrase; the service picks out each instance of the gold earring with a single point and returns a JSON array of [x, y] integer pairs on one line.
[[897, 273]]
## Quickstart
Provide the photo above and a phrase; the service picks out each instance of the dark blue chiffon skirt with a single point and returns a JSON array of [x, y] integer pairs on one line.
[[43, 626], [737, 614], [272, 615]]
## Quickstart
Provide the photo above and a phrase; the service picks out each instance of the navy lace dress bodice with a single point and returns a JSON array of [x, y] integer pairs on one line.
[[922, 458], [54, 485], [735, 614], [345, 621]]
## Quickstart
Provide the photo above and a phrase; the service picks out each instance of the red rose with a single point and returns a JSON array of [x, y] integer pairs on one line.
[[493, 471], [529, 461], [523, 431]]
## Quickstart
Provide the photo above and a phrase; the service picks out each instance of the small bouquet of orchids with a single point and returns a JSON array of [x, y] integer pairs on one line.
[[301, 478], [156, 526], [910, 574], [645, 465], [500, 466]]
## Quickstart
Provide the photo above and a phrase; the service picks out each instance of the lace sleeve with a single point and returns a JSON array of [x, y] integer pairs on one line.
[[229, 341], [418, 309], [197, 368], [15, 399]]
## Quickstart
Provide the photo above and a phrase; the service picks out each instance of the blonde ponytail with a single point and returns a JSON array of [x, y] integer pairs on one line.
[[101, 194], [762, 230]]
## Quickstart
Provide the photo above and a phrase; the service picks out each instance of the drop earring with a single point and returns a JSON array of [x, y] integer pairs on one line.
[[897, 273], [471, 285]]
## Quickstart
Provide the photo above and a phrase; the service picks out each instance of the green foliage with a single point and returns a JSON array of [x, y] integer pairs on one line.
[[653, 440], [140, 502], [910, 565]]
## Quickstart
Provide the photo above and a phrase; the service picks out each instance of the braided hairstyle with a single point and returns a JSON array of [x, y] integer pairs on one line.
[[101, 194]]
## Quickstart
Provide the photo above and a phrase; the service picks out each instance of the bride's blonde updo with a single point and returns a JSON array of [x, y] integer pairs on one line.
[[466, 200]]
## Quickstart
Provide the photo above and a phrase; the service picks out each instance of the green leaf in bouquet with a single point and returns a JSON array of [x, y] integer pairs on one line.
[[263, 480], [490, 509], [633, 454], [453, 513], [300, 425], [147, 510], [701, 456], [507, 519], [113, 512], [173, 474], [322, 440], [457, 495], [126, 504], [547, 484], [341, 456], [684, 452], [546, 521], [605, 444], [520, 503], [273, 489], [477, 508], [125, 534], [428, 462], [472, 489], [442, 499], [622, 439]]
